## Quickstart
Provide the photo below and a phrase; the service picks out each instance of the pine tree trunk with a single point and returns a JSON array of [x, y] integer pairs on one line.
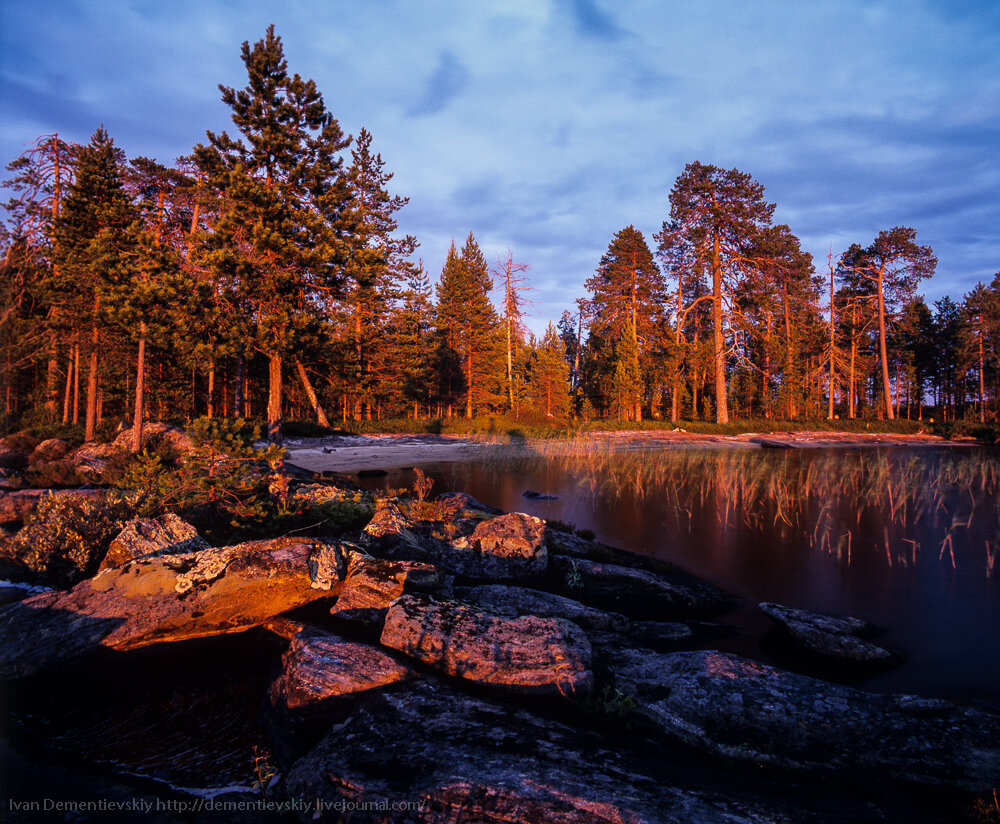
[[719, 353], [76, 383], [982, 366], [90, 430], [140, 389], [238, 411], [886, 389], [52, 379], [68, 394], [210, 410], [468, 399], [833, 381], [274, 398], [321, 418]]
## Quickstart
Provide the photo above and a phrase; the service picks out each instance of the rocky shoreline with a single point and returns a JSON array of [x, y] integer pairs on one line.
[[448, 662]]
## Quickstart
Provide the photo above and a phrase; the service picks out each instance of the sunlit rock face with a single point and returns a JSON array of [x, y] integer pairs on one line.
[[166, 535], [532, 655], [319, 666], [373, 584], [170, 598], [748, 711]]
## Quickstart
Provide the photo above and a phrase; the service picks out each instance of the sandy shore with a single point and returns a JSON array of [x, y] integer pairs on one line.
[[351, 453]]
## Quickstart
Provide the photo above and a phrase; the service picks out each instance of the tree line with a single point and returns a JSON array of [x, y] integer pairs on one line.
[[264, 275]]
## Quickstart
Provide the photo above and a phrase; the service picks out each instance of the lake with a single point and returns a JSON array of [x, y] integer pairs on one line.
[[906, 538]]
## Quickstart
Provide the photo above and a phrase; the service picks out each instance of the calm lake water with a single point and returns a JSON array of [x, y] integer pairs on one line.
[[902, 537]]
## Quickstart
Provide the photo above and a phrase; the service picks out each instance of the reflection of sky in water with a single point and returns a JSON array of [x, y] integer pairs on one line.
[[829, 554]]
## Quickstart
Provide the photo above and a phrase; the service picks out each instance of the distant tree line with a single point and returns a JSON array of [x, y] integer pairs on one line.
[[264, 275]]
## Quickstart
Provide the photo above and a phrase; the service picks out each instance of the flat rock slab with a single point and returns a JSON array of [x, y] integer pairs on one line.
[[513, 602], [443, 757], [166, 535], [169, 598], [530, 655], [747, 711], [637, 593], [831, 637], [319, 666]]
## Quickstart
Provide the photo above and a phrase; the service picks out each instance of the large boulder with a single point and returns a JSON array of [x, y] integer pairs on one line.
[[53, 449], [512, 602], [508, 547], [166, 535], [319, 666], [436, 756], [637, 593], [748, 711], [832, 638], [156, 433], [169, 598], [530, 655], [373, 584]]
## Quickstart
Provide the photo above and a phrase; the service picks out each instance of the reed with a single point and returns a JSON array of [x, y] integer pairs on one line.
[[824, 498]]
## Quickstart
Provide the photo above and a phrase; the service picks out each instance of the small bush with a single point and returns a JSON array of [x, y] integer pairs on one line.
[[66, 537]]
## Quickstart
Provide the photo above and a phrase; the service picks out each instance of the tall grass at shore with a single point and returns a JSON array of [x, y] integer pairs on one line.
[[830, 500]]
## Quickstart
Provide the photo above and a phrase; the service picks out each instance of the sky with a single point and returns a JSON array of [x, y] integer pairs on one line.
[[546, 126]]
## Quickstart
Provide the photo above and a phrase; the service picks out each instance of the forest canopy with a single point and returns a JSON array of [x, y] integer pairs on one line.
[[265, 275]]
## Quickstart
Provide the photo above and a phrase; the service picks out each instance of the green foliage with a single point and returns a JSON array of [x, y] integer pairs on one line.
[[67, 536]]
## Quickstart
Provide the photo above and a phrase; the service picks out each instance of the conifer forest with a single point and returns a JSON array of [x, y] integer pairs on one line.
[[264, 276]]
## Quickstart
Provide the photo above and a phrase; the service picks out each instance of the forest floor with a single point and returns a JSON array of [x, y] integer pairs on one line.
[[352, 453]]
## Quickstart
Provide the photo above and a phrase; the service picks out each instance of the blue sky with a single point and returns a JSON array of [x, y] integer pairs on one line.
[[545, 126]]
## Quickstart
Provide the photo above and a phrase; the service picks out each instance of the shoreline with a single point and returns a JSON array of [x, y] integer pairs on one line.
[[352, 453]]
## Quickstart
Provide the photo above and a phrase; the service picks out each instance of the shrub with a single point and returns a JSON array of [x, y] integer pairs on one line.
[[66, 537]]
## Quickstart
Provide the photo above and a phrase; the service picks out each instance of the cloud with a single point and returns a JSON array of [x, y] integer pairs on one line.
[[591, 21], [447, 82]]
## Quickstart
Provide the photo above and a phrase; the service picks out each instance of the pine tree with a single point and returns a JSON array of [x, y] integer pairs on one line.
[[377, 264], [893, 264], [282, 197], [469, 323], [548, 375], [94, 247], [627, 291], [720, 213]]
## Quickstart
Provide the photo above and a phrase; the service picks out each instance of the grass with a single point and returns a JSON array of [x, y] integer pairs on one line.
[[824, 499]]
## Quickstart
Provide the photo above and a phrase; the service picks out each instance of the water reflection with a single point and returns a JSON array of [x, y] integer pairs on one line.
[[905, 538]]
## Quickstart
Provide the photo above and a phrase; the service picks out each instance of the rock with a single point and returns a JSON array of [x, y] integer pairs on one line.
[[49, 450], [436, 756], [92, 460], [464, 501], [165, 535], [830, 637], [508, 547], [169, 598], [17, 505], [637, 593], [154, 433], [12, 457], [390, 534], [660, 635], [516, 601], [531, 655], [373, 584], [747, 711], [531, 495], [319, 666]]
